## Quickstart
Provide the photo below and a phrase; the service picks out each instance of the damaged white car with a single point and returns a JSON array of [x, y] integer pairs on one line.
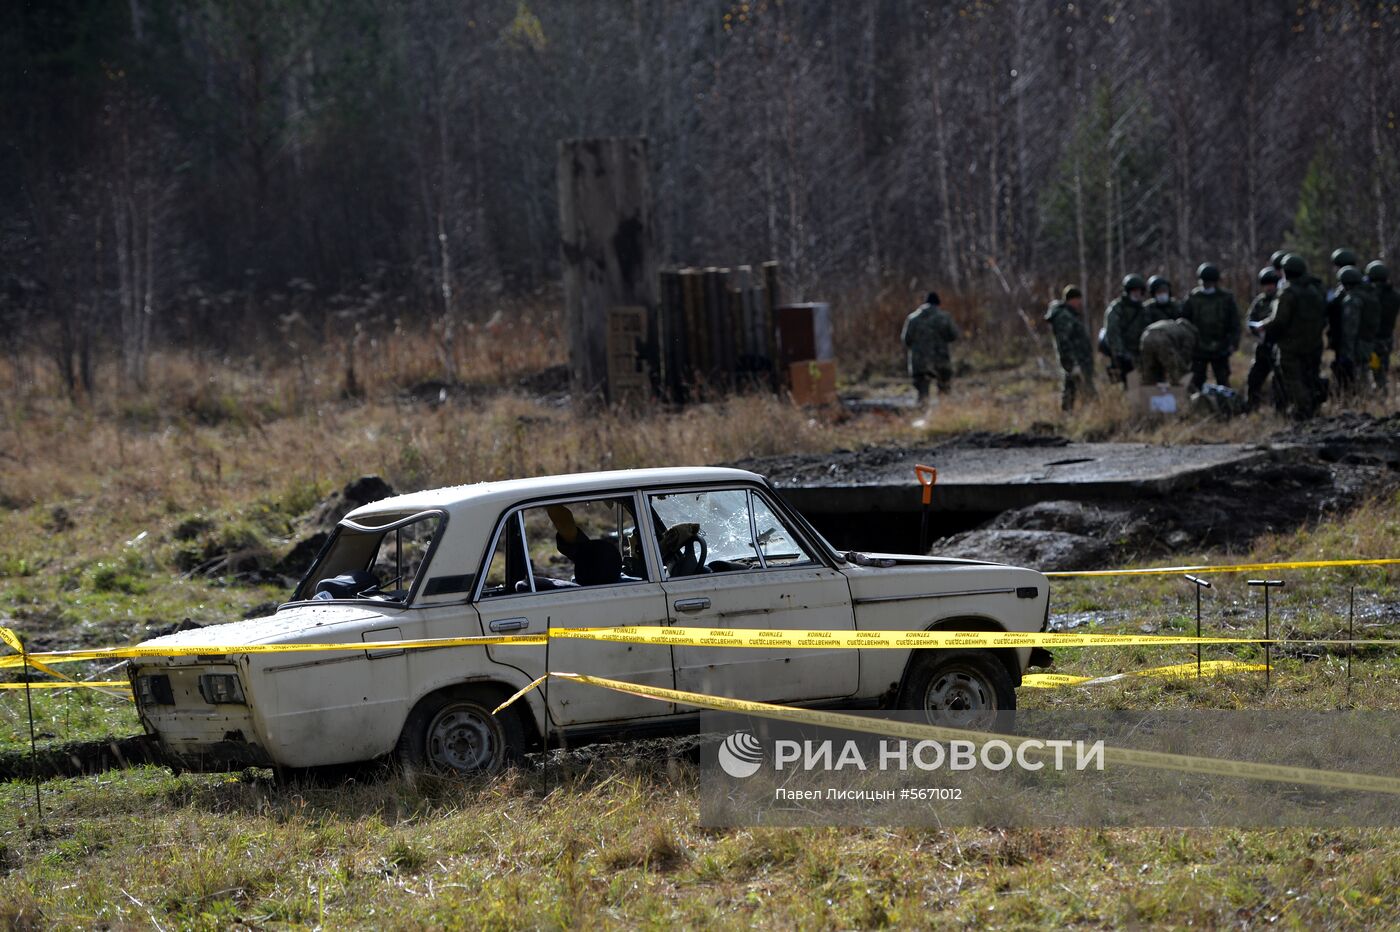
[[694, 546]]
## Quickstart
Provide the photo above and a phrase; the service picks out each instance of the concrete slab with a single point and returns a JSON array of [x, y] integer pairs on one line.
[[994, 479]]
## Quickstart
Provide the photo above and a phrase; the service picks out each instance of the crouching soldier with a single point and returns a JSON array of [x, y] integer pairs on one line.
[[1167, 350], [1072, 343]]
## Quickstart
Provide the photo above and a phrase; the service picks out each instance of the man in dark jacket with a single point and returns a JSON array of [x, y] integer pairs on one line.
[[1217, 318], [926, 335], [1263, 364], [1072, 343], [1124, 321], [1295, 324]]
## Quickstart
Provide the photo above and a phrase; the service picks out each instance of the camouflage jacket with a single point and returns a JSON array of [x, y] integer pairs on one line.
[[1298, 317], [1164, 310], [1389, 300], [1124, 322], [927, 333], [1172, 343], [1347, 321], [1368, 325], [1259, 309], [1217, 317], [1071, 339]]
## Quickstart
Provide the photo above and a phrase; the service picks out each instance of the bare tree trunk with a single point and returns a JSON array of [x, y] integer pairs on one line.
[[950, 253], [1079, 223], [1377, 153]]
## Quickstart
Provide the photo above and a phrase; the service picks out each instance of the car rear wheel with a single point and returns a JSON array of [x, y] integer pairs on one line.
[[958, 688], [454, 731]]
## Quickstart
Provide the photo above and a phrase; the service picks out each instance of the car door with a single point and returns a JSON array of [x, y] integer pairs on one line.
[[537, 580], [749, 569]]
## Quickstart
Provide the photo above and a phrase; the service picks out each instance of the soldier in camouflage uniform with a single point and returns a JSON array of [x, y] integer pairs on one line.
[[1159, 298], [1341, 258], [1217, 318], [1072, 343], [1168, 350], [1389, 300], [1263, 364], [1295, 324], [1124, 321], [926, 335], [1354, 340]]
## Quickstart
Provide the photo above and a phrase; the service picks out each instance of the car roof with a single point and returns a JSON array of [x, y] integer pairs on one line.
[[510, 490]]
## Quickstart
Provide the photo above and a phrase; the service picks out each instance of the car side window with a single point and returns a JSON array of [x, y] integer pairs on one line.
[[721, 531], [567, 545]]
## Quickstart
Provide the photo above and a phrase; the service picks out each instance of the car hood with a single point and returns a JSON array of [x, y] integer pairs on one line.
[[299, 623]]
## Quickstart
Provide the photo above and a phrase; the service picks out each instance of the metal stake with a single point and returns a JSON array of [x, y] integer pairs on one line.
[[1200, 584], [33, 745], [1268, 635], [1351, 631]]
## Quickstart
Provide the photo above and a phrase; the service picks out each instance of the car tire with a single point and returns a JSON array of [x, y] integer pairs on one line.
[[945, 685], [455, 731]]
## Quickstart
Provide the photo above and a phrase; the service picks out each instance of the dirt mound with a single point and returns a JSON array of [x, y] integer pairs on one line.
[[1228, 509], [1044, 550], [862, 464], [316, 525], [1351, 438]]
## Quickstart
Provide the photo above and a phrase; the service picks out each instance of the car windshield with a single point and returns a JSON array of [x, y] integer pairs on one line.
[[378, 557]]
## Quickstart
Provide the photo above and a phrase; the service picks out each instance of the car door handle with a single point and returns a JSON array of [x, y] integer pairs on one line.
[[692, 605], [509, 624]]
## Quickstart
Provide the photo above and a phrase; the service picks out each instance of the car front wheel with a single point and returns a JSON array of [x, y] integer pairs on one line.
[[957, 688], [454, 731]]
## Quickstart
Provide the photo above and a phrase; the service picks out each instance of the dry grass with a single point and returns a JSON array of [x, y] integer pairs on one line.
[[614, 842]]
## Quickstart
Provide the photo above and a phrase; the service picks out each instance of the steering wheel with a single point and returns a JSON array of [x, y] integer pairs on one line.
[[688, 550], [686, 558]]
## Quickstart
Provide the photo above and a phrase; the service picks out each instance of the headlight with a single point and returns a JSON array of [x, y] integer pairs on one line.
[[154, 690], [218, 688]]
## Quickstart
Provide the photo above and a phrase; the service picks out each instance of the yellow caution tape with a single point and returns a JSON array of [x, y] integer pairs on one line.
[[875, 640], [1278, 773], [195, 650], [1176, 670], [12, 641], [1228, 568], [692, 637], [71, 684]]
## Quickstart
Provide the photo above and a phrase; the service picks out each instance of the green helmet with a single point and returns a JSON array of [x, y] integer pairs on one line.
[[1343, 257], [1133, 282], [1294, 267], [1207, 272], [1349, 275], [1276, 260], [1157, 283], [1268, 276], [1377, 272]]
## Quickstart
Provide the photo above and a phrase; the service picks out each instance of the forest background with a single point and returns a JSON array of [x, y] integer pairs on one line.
[[274, 180]]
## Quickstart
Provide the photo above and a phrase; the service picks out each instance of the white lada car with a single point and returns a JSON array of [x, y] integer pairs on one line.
[[690, 546]]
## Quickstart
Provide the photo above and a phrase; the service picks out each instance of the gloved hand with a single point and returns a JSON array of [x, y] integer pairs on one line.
[[1374, 362]]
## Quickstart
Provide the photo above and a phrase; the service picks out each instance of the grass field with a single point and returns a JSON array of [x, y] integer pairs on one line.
[[107, 505]]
